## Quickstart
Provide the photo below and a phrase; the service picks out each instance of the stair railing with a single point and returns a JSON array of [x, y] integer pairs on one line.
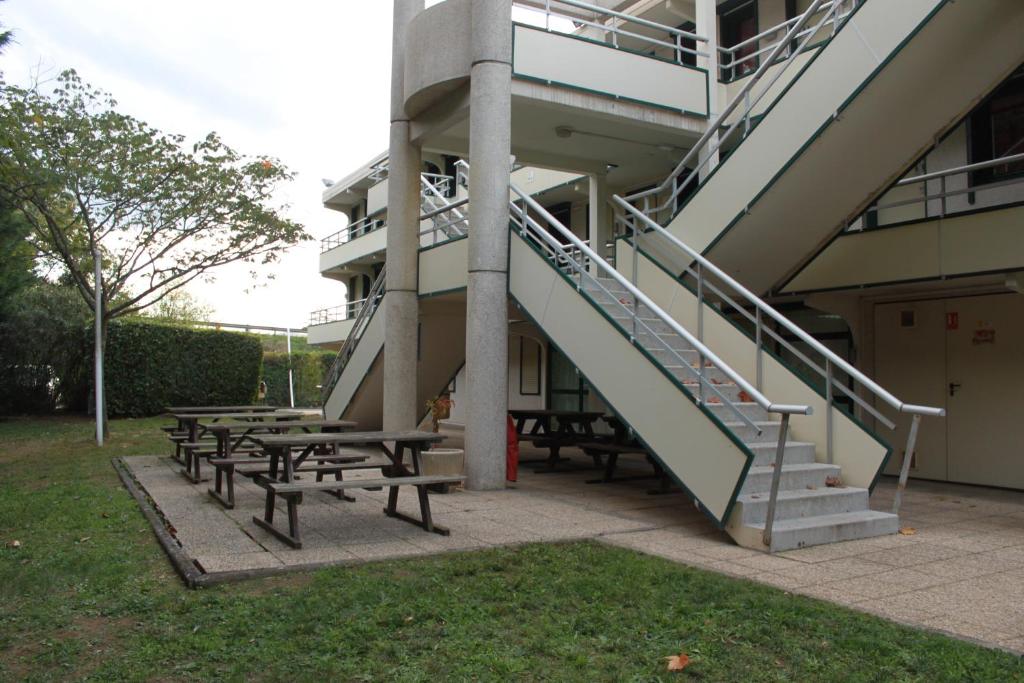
[[362, 320], [707, 147], [567, 250], [829, 361]]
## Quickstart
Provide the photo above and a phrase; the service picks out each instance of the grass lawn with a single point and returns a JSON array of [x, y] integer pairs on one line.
[[89, 593]]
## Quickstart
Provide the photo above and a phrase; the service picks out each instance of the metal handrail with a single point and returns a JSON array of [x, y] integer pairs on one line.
[[832, 361], [774, 30], [943, 194], [641, 298], [613, 30], [711, 134], [362, 320], [363, 226], [333, 314]]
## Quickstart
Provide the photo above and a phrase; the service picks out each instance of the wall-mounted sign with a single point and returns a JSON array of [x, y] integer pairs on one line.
[[952, 320], [984, 335]]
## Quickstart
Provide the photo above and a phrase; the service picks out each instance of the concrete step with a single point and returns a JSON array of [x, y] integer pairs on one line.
[[751, 410], [794, 477], [747, 434], [753, 508], [711, 374], [790, 534], [797, 453]]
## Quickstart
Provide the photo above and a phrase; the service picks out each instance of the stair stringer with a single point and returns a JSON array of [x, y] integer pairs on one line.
[[868, 103], [359, 395], [694, 447]]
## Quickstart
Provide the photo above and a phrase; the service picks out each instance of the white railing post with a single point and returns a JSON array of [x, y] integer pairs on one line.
[[908, 456], [706, 21], [773, 498]]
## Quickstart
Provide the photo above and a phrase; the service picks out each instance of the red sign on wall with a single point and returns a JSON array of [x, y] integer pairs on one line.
[[953, 321]]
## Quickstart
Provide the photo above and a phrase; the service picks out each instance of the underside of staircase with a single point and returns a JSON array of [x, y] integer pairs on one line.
[[813, 506]]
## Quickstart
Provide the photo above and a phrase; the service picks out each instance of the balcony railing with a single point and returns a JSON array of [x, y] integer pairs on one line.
[[333, 314], [617, 28], [351, 232], [938, 187], [743, 58]]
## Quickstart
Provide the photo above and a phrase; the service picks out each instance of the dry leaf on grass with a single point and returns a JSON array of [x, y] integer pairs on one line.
[[907, 531], [678, 662], [15, 544]]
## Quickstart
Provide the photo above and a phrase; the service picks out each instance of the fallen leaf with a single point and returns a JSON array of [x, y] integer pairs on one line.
[[83, 539], [744, 397], [408, 619], [15, 544], [907, 531], [811, 487], [834, 482], [678, 662], [105, 515]]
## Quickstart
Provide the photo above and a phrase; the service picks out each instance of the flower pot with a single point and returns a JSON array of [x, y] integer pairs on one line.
[[442, 461]]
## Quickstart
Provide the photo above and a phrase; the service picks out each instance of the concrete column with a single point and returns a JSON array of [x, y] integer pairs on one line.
[[707, 25], [490, 120], [599, 217], [401, 305]]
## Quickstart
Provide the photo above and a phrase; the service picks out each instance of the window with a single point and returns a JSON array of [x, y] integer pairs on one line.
[[737, 22], [688, 58], [996, 129]]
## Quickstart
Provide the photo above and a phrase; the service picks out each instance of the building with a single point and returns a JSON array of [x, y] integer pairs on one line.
[[750, 229]]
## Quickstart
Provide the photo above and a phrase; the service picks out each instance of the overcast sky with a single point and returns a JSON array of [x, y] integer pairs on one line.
[[305, 81]]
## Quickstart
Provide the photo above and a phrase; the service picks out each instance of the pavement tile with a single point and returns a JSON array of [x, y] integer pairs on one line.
[[237, 562]]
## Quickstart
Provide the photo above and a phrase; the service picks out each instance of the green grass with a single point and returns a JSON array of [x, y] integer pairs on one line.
[[89, 594]]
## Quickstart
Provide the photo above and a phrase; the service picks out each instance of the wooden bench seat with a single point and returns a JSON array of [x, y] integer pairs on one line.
[[226, 468], [292, 493]]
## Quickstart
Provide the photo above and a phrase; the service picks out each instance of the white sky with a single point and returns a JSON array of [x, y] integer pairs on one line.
[[305, 81]]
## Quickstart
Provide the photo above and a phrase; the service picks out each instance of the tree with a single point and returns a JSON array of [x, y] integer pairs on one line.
[[180, 307], [126, 211]]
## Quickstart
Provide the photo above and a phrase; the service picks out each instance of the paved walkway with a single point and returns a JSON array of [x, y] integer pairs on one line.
[[960, 571]]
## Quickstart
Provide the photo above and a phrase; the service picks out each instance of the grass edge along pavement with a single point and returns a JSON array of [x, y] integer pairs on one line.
[[89, 594]]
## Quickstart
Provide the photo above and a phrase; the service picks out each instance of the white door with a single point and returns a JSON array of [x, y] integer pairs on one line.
[[985, 387], [966, 355], [910, 361]]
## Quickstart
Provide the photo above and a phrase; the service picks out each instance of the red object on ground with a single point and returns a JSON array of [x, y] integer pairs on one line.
[[512, 451]]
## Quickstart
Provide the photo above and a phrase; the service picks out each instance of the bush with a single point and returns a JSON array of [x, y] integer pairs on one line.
[[308, 371], [149, 366]]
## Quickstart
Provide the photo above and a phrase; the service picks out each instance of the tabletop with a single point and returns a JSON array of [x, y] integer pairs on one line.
[[345, 438], [290, 424], [236, 416], [578, 414], [220, 409]]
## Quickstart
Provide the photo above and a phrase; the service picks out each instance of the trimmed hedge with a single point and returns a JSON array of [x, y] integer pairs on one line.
[[308, 371], [149, 366]]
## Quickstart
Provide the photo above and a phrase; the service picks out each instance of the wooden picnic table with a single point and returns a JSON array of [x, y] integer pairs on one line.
[[288, 451], [571, 427], [230, 435], [221, 409]]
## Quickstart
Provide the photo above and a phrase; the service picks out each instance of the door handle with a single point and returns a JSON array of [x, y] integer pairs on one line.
[[953, 386]]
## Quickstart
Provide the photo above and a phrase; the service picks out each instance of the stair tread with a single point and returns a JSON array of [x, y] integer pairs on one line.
[[796, 467], [796, 494], [837, 519], [762, 445]]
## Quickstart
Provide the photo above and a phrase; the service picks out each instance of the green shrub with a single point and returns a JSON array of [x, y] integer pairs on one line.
[[149, 366], [308, 371]]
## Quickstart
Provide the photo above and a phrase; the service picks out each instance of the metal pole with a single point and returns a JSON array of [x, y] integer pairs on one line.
[[291, 382], [636, 265], [700, 326], [780, 452], [908, 455], [98, 303], [828, 409], [760, 352]]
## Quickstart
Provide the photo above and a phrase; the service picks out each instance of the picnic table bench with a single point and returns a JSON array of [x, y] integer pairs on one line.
[[288, 452], [221, 409], [555, 429], [191, 425]]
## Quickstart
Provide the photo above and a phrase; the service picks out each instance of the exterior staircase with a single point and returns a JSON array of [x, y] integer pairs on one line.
[[813, 507]]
